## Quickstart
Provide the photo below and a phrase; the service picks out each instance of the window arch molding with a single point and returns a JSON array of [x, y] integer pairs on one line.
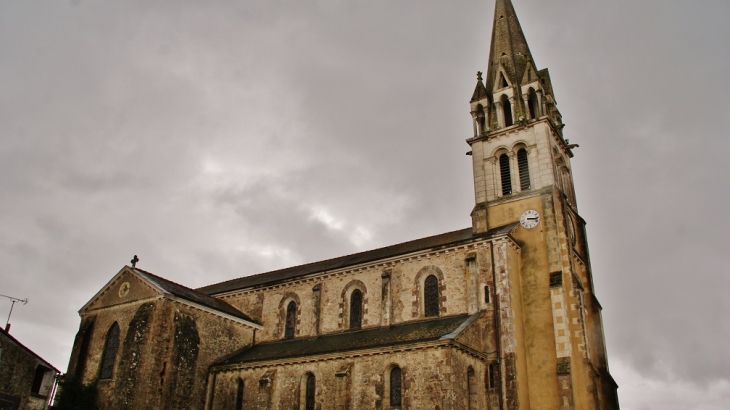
[[390, 401], [110, 352], [308, 391], [505, 182], [239, 388], [522, 166], [419, 309], [345, 303], [283, 307]]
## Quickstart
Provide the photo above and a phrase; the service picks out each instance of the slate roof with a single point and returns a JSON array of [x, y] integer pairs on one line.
[[509, 45], [192, 295], [480, 92], [431, 242], [427, 330]]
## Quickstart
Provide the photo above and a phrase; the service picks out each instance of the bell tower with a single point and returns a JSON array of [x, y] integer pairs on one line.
[[523, 179], [518, 143]]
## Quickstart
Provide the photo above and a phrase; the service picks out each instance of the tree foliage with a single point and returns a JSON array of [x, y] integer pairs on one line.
[[74, 395]]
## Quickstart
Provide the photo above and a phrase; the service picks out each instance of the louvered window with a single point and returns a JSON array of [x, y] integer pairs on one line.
[[110, 352], [524, 169], [356, 309], [431, 296], [309, 400], [395, 386], [291, 320], [505, 174]]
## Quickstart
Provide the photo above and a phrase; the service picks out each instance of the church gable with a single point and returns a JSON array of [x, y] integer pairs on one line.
[[125, 287]]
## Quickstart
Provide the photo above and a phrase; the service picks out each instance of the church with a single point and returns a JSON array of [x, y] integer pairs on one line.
[[501, 315]]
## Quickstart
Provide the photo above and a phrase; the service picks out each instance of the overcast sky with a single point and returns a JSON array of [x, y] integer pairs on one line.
[[219, 139]]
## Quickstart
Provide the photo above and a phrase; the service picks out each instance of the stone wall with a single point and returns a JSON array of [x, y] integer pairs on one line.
[[166, 348], [323, 300], [434, 377], [18, 369]]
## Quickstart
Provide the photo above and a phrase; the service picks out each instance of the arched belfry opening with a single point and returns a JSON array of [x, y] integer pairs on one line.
[[532, 104], [506, 110], [481, 120]]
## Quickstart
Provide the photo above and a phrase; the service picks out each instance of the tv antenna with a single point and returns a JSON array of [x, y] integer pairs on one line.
[[14, 300]]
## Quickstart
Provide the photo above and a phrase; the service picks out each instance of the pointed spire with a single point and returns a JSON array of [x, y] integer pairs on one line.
[[480, 92], [509, 46]]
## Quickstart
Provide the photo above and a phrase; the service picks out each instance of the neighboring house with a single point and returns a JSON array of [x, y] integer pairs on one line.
[[27, 382], [500, 315]]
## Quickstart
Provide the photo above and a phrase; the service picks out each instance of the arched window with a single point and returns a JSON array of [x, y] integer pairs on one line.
[[239, 394], [431, 296], [291, 320], [532, 105], [505, 174], [506, 110], [110, 352], [309, 396], [356, 309], [395, 386], [471, 385], [481, 120], [524, 169]]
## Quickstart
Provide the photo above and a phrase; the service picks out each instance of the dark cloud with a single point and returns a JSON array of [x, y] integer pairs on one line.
[[226, 138]]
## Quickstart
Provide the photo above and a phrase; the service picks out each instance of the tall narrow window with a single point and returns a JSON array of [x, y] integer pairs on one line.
[[486, 294], [492, 375], [356, 309], [505, 174], [291, 319], [524, 168], [40, 373], [471, 386], [309, 397], [481, 120], [110, 352], [506, 110], [532, 105], [239, 394], [431, 296], [395, 386]]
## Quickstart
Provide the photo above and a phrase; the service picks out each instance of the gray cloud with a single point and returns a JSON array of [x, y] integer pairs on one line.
[[228, 138]]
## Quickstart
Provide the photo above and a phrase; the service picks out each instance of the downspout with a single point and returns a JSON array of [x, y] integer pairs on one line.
[[498, 327]]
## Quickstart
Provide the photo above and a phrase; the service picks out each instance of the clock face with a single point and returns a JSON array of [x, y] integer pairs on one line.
[[530, 219]]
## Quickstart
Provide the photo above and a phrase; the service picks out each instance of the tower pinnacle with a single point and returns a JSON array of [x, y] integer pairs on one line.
[[509, 45]]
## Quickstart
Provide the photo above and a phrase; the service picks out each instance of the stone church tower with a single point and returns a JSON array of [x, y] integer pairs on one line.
[[501, 315], [522, 172]]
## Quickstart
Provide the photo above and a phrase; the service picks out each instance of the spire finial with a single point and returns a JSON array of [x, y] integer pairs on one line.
[[134, 261], [479, 75]]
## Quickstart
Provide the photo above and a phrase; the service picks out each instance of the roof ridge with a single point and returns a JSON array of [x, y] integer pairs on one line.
[[335, 258]]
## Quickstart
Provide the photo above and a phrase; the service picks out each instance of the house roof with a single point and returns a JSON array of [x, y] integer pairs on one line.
[[445, 328], [431, 242], [24, 347], [192, 295]]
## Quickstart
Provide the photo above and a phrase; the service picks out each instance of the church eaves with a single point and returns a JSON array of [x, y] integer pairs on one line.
[[509, 46]]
